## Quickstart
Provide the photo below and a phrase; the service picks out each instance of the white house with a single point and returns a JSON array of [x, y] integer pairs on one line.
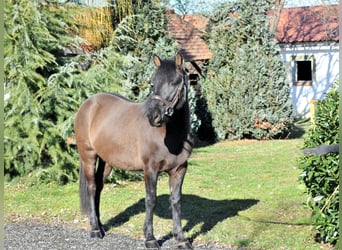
[[309, 43]]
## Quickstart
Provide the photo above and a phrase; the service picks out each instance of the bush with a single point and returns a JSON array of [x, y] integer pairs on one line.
[[321, 173], [246, 87], [34, 36]]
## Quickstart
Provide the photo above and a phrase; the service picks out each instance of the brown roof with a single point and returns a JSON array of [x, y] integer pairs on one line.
[[308, 24], [200, 22], [188, 31]]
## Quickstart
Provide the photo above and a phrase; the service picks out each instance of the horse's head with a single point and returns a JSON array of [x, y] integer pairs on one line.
[[169, 89]]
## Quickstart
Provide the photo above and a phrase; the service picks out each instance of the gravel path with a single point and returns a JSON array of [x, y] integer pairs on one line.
[[29, 236]]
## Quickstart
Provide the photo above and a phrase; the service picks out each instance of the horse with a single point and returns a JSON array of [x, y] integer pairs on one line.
[[153, 136]]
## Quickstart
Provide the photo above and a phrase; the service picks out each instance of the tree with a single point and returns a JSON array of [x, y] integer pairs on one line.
[[182, 6], [246, 87], [35, 33], [278, 6]]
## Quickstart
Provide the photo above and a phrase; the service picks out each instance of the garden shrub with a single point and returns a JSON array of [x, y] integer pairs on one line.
[[34, 37], [321, 173], [246, 87]]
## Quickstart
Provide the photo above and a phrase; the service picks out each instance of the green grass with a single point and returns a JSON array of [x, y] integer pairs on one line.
[[238, 194]]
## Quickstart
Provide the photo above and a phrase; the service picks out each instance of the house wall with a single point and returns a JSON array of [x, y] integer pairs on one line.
[[325, 70]]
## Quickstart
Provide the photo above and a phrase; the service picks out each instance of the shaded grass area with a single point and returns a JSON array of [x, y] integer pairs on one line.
[[237, 194]]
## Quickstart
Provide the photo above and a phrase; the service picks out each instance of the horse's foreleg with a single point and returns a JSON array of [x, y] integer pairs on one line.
[[150, 203], [176, 177]]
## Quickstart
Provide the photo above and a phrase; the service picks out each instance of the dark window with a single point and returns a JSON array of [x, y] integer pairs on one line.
[[304, 71], [193, 79]]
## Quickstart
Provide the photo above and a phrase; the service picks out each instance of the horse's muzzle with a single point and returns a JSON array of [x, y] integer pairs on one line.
[[156, 118]]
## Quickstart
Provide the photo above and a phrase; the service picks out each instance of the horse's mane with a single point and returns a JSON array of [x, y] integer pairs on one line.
[[120, 96]]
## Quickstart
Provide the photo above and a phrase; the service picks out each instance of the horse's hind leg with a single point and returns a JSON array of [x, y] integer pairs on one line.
[[90, 190], [99, 180], [176, 177]]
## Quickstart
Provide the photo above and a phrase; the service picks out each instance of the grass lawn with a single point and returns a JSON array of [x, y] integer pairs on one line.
[[237, 194]]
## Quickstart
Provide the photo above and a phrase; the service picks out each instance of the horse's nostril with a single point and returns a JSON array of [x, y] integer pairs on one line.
[[156, 118]]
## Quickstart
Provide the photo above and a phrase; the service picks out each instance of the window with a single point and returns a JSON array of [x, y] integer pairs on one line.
[[193, 79], [303, 73]]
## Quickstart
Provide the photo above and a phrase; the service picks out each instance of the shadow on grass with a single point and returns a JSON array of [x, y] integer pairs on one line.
[[299, 128], [195, 209]]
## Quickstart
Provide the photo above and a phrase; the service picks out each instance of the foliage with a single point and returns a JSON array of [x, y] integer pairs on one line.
[[321, 173], [246, 87], [94, 24], [182, 6], [35, 33], [97, 20]]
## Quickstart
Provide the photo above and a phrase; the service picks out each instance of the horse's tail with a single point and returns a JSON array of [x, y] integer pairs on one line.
[[83, 191]]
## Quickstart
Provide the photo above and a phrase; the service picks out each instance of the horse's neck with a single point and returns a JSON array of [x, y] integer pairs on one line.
[[180, 121]]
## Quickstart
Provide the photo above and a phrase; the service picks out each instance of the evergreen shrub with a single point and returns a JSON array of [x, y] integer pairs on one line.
[[34, 38], [321, 173], [246, 87]]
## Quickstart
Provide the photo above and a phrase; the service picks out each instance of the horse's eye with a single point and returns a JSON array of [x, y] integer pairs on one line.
[[177, 82]]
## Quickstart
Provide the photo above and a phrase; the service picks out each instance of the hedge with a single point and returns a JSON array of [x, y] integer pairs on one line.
[[321, 173]]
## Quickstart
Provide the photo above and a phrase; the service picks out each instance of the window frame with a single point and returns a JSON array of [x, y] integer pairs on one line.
[[300, 58]]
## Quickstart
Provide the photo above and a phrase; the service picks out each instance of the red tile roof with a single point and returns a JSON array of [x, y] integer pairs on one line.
[[308, 24], [188, 31]]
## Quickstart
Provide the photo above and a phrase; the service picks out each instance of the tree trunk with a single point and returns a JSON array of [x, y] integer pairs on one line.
[[278, 6]]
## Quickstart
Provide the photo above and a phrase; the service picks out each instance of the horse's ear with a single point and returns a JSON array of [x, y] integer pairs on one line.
[[156, 60], [179, 60]]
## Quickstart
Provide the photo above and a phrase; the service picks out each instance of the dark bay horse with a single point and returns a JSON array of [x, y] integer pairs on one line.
[[153, 136]]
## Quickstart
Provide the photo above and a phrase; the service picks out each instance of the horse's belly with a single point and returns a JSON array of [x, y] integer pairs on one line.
[[122, 156], [124, 163], [126, 158]]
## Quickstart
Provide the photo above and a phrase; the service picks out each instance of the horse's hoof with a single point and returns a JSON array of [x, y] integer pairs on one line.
[[184, 245], [98, 233], [152, 244]]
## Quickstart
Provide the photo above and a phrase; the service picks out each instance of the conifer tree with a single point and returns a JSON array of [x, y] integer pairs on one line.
[[35, 33], [246, 88]]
